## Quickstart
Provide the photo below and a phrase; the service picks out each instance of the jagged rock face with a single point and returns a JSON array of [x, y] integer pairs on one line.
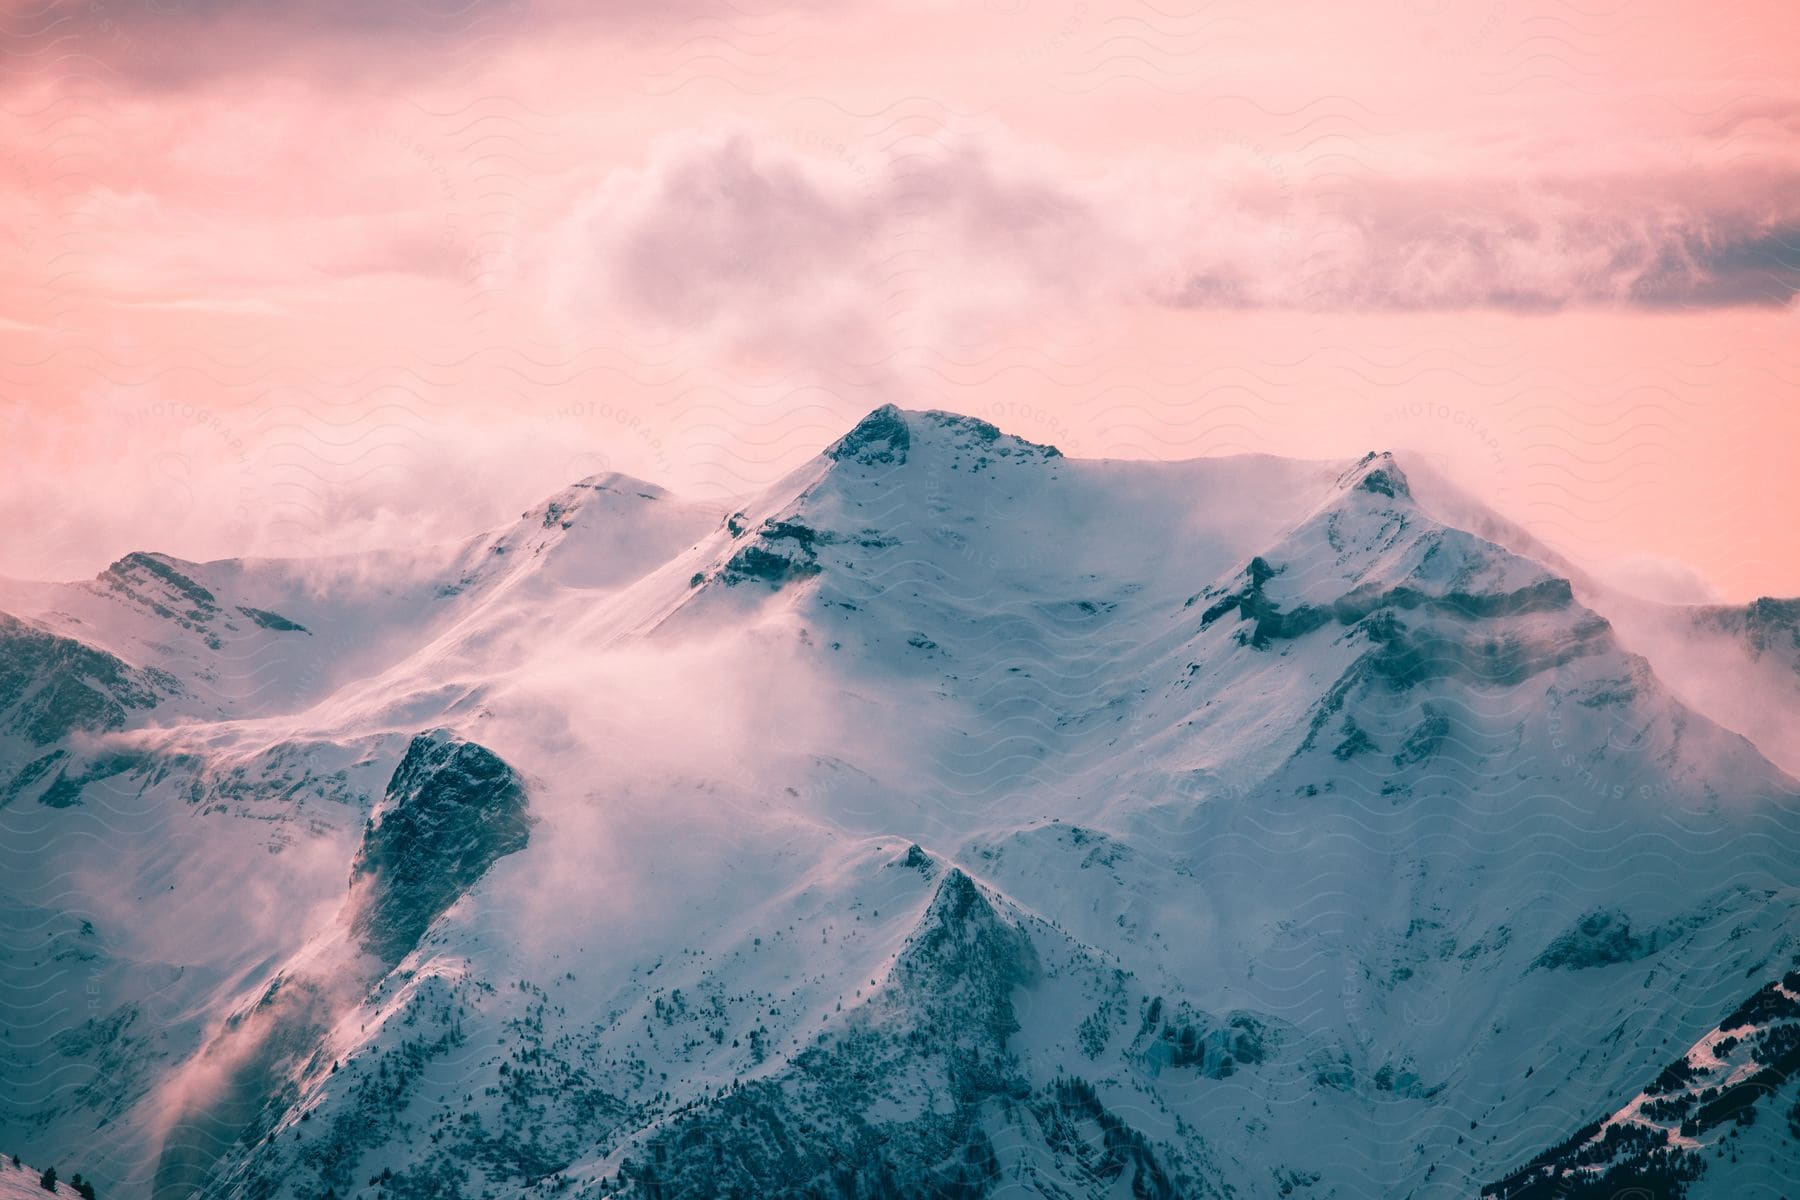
[[153, 581], [904, 1098], [931, 1045], [971, 436], [822, 530], [1180, 1036], [885, 438], [879, 439], [778, 553], [57, 778], [156, 584], [273, 622], [1379, 474], [453, 808], [965, 959], [52, 686], [1605, 937]]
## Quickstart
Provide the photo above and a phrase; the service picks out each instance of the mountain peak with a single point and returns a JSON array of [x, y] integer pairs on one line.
[[1377, 472], [587, 499], [882, 437], [562, 507], [887, 436], [618, 481]]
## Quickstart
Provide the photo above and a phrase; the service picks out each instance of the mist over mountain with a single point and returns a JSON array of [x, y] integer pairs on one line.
[[952, 818]]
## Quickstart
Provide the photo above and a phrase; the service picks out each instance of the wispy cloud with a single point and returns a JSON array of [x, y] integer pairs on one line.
[[747, 239], [172, 46], [1537, 244]]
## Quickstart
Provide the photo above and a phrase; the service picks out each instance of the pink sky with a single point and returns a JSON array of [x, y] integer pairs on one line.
[[294, 277]]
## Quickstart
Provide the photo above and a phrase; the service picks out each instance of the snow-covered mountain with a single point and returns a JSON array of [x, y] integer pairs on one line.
[[954, 818]]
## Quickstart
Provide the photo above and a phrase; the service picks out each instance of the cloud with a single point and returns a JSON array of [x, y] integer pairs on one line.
[[1651, 577], [154, 467], [1648, 241], [170, 45], [746, 240]]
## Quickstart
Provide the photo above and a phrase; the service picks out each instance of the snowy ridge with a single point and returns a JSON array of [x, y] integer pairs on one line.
[[22, 1182], [1657, 1143], [952, 818]]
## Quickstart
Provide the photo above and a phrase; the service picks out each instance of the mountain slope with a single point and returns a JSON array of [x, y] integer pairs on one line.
[[952, 818]]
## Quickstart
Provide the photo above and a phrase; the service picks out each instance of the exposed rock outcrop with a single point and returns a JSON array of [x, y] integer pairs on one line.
[[453, 808], [52, 686]]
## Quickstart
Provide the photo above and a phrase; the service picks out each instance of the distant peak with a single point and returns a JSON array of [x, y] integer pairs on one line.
[[159, 572], [958, 900], [616, 481], [965, 948], [881, 438], [142, 560], [1377, 473], [886, 436], [562, 508]]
